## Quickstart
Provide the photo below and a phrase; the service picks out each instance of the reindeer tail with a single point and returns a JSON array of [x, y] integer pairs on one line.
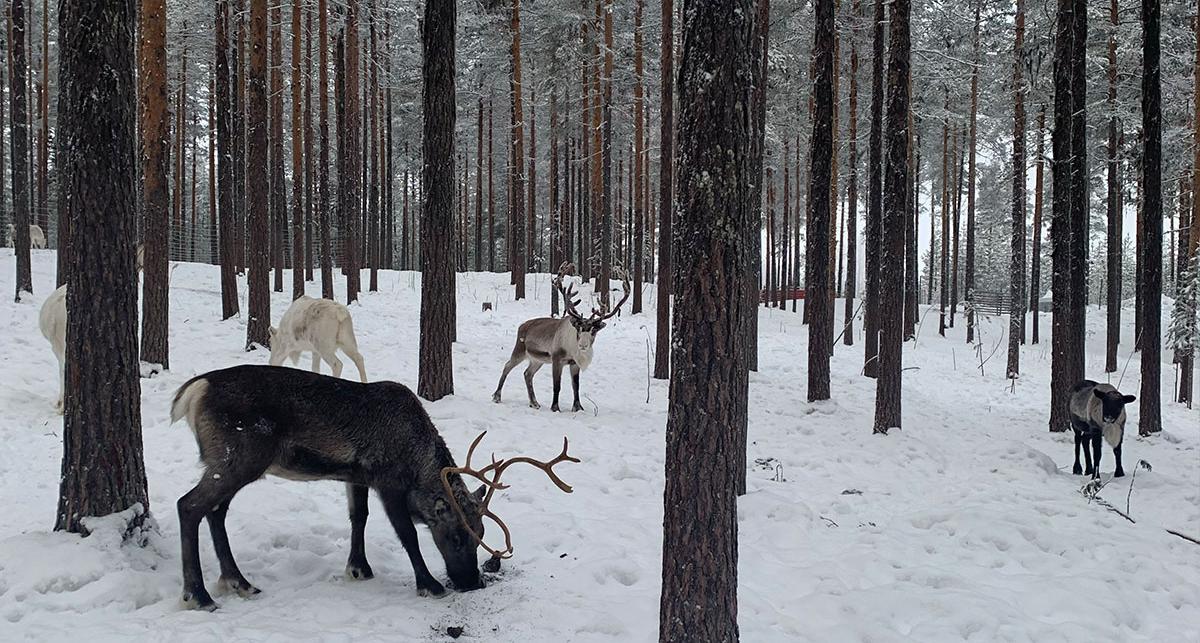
[[186, 399]]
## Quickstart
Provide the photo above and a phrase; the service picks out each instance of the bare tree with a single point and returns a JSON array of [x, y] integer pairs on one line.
[[1016, 267], [435, 377], [226, 166], [820, 326], [969, 268], [874, 239], [102, 468], [709, 378], [1149, 416], [155, 157], [516, 232], [891, 271], [666, 193], [20, 148], [1113, 335], [259, 246]]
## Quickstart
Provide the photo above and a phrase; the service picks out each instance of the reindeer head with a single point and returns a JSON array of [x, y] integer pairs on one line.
[[473, 507], [453, 521], [1112, 403], [587, 327]]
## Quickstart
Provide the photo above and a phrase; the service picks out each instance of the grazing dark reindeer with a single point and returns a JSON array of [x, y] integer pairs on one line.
[[559, 341], [1097, 410], [256, 420]]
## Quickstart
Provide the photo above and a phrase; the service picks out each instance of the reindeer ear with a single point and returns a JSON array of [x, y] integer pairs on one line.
[[272, 330], [479, 493], [1128, 399], [1098, 393]]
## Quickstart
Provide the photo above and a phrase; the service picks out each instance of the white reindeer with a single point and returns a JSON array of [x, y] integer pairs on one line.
[[52, 320], [37, 238], [318, 325]]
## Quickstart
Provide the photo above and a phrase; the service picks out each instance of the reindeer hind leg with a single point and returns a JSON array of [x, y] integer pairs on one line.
[[530, 371], [518, 356]]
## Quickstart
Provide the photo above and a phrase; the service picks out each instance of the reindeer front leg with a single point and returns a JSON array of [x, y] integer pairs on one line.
[[530, 371], [575, 386], [556, 370]]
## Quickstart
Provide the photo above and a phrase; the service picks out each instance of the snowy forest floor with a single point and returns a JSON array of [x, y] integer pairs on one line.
[[965, 525]]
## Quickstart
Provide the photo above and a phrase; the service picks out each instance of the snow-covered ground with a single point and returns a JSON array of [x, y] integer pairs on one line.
[[965, 525]]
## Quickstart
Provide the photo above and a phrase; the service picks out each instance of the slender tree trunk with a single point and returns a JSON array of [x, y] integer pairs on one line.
[[479, 185], [888, 391], [323, 203], [1113, 335], [516, 232], [239, 62], [1035, 262], [852, 184], [1016, 313], [709, 378], [226, 164], [102, 468], [435, 377], [820, 325], [1149, 416], [299, 265], [944, 235], [639, 170], [351, 126], [259, 303], [156, 193], [954, 224], [874, 239], [278, 201], [491, 194], [969, 268], [309, 160], [43, 177], [666, 191], [20, 148], [1069, 202]]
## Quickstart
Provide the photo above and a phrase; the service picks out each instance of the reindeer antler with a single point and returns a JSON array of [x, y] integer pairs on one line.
[[601, 315], [497, 468], [568, 294]]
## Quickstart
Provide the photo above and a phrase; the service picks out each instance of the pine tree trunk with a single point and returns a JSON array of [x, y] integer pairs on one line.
[[259, 246], [435, 378], [891, 271], [1149, 416], [754, 277], [666, 191], [156, 194], [709, 378], [309, 159], [516, 232], [944, 236], [281, 258], [239, 62], [954, 224], [873, 233], [226, 167], [479, 185], [1016, 267], [912, 270], [851, 244], [350, 126], [969, 268], [821, 177], [1113, 335], [491, 193], [299, 265], [639, 170], [371, 90], [20, 148], [323, 203], [102, 468], [1035, 262], [43, 176], [1067, 229]]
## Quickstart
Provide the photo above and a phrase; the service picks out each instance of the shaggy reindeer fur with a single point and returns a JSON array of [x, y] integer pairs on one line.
[[321, 326], [256, 420], [1097, 410]]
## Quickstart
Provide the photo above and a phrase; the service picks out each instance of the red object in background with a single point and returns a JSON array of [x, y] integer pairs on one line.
[[790, 293]]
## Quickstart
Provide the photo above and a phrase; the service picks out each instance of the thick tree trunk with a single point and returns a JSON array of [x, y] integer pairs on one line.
[[874, 240], [1016, 267], [1149, 416], [891, 273], [259, 303], [20, 148], [709, 378], [820, 187], [435, 376], [156, 194], [102, 468], [1067, 227]]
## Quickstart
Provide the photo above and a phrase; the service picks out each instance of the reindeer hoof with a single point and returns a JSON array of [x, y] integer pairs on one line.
[[199, 601], [576, 408], [1077, 470], [535, 405], [1120, 473], [239, 586], [554, 407], [496, 398], [360, 572], [431, 588]]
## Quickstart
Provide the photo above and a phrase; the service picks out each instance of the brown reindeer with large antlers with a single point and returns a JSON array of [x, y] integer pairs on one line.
[[559, 341]]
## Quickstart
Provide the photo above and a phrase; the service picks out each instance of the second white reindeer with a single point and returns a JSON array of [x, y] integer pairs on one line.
[[321, 326], [562, 341]]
